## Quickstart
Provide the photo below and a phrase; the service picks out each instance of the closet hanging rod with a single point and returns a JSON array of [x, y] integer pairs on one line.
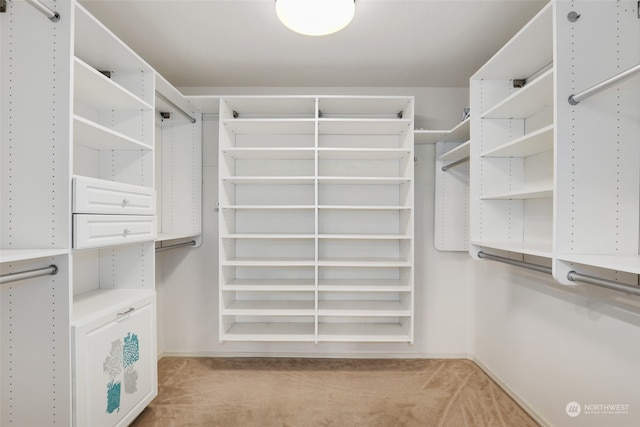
[[29, 274], [180, 110], [618, 78], [177, 245], [456, 163], [51, 14], [527, 265], [604, 283]]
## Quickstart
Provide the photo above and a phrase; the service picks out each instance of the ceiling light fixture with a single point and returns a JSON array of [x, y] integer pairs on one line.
[[315, 17]]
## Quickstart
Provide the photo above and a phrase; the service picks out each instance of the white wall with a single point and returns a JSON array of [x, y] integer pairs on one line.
[[187, 278], [552, 345]]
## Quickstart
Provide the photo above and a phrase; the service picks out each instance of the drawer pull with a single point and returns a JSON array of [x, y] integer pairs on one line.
[[126, 312], [126, 231], [125, 202]]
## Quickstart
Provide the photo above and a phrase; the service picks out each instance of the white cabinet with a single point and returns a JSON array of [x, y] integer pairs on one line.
[[98, 196], [114, 367], [93, 231], [316, 225]]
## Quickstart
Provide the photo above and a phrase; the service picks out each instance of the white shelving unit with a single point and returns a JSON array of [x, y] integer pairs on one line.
[[178, 167], [316, 201], [77, 193], [451, 220], [551, 179], [512, 149]]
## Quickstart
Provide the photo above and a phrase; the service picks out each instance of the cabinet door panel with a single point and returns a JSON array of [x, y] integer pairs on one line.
[[92, 231], [99, 196]]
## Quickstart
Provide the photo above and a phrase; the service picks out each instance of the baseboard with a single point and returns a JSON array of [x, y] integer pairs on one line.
[[367, 355], [512, 393]]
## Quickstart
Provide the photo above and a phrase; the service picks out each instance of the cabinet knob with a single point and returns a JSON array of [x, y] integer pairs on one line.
[[125, 202], [126, 231]]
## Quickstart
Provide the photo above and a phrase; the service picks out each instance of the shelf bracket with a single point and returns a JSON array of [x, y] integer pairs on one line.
[[3, 6], [165, 114]]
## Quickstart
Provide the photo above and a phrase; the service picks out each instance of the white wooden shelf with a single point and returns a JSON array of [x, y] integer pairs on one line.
[[460, 132], [270, 331], [351, 308], [458, 153], [269, 107], [533, 193], [162, 237], [363, 262], [95, 44], [273, 285], [529, 248], [532, 143], [269, 207], [365, 236], [270, 308], [269, 180], [301, 153], [349, 180], [362, 285], [268, 236], [98, 137], [364, 208], [363, 126], [268, 262], [270, 126], [363, 106], [530, 49], [13, 255], [427, 136], [368, 332], [362, 153], [94, 89], [532, 98]]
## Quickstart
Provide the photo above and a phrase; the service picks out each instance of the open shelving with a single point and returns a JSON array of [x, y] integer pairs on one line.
[[317, 211], [512, 179]]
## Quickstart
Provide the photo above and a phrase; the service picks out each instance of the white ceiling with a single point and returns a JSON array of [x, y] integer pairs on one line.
[[412, 43]]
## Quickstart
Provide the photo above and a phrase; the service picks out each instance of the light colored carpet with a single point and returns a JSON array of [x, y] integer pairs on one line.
[[328, 392]]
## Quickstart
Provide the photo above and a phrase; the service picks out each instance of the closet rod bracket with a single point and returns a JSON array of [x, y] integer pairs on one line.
[[3, 6]]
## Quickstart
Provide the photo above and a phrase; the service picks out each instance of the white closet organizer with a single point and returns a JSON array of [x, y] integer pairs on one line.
[[316, 227], [451, 219], [178, 168], [79, 192], [512, 128]]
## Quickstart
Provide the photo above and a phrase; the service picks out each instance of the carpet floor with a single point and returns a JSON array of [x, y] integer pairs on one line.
[[283, 392]]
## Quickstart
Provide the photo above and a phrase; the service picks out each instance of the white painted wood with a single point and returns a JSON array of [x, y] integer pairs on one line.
[[428, 136], [12, 255], [91, 231], [531, 99], [527, 145], [115, 360], [98, 137], [98, 196], [369, 332], [531, 193], [352, 211], [451, 217]]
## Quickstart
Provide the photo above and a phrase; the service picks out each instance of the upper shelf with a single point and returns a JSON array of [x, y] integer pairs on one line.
[[94, 89], [272, 126], [460, 152], [366, 126], [532, 143], [532, 98], [96, 136], [459, 133], [530, 50]]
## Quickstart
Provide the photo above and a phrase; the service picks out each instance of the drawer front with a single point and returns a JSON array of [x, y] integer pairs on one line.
[[99, 196], [115, 367], [92, 231]]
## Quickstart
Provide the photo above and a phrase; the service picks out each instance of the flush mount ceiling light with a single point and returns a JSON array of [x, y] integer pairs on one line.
[[315, 17]]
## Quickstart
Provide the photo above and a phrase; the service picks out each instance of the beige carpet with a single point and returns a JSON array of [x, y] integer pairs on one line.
[[328, 392]]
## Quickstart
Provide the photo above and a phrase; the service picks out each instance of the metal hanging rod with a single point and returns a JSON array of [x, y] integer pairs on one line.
[[527, 265], [456, 163], [604, 283], [29, 274], [575, 99], [51, 14], [177, 245], [178, 109]]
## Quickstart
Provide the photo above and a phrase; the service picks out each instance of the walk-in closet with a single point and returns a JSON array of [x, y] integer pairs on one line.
[[425, 214]]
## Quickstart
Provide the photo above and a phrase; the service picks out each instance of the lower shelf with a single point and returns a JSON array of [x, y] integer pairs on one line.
[[364, 332], [626, 263], [528, 248], [102, 302], [276, 331]]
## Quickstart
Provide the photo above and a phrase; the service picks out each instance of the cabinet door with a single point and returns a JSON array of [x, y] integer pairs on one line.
[[115, 367]]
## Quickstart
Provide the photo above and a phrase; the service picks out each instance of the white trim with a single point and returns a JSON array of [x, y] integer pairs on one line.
[[368, 355]]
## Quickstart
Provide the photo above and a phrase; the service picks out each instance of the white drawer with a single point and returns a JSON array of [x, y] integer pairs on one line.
[[114, 364], [91, 195], [92, 231]]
